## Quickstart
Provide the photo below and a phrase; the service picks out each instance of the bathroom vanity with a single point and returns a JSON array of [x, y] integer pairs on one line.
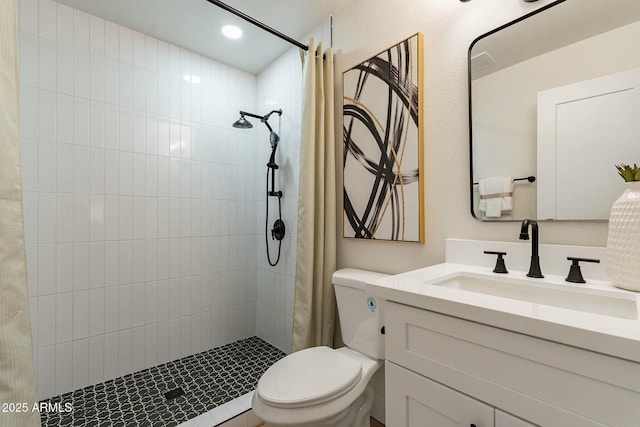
[[466, 346]]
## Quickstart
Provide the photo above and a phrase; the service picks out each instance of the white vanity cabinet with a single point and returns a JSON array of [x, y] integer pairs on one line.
[[446, 371], [414, 400], [507, 420], [417, 401]]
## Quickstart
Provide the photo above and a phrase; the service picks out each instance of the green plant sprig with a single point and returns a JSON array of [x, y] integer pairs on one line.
[[629, 173]]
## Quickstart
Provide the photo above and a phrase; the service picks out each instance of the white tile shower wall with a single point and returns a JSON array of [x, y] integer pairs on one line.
[[139, 198], [278, 86]]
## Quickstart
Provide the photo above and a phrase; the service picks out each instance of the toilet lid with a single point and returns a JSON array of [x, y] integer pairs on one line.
[[308, 377]]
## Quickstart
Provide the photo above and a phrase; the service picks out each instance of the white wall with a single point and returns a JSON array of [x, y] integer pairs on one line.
[[278, 87], [362, 29], [139, 198]]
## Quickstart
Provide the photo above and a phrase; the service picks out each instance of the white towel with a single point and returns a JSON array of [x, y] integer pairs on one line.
[[496, 195]]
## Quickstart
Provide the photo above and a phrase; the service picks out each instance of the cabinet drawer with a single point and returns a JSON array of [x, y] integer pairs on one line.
[[541, 381], [507, 420], [415, 401]]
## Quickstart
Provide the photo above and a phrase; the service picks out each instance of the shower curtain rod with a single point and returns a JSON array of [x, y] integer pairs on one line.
[[257, 23]]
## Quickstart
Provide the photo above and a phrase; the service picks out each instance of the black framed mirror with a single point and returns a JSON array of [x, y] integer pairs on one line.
[[553, 105]]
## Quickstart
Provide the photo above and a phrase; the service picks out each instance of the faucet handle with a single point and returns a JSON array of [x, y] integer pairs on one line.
[[575, 275], [500, 267]]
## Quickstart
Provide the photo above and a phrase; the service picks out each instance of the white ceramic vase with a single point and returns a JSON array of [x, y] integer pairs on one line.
[[623, 243]]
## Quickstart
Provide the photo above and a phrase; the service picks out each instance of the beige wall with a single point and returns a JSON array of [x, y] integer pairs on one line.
[[366, 27]]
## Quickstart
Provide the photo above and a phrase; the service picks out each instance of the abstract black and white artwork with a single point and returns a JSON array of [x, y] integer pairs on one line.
[[383, 148]]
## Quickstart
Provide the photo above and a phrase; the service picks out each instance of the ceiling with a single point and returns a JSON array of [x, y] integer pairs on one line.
[[196, 24]]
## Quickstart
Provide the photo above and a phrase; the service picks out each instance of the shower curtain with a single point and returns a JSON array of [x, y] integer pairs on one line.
[[17, 380], [314, 309]]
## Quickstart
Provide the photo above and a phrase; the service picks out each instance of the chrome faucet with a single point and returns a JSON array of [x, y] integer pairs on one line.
[[534, 267]]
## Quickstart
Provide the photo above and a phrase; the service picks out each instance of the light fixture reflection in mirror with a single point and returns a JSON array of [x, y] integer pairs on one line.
[[561, 46]]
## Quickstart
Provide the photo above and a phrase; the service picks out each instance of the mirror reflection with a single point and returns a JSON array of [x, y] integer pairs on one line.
[[554, 99]]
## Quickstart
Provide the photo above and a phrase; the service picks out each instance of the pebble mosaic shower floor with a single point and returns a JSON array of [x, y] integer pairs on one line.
[[208, 379]]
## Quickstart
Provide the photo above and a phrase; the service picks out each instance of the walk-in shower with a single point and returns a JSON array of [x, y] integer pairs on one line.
[[278, 229]]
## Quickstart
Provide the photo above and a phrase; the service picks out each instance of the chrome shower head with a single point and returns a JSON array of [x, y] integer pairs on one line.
[[242, 123]]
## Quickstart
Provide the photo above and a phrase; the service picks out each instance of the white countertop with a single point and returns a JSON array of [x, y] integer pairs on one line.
[[610, 335]]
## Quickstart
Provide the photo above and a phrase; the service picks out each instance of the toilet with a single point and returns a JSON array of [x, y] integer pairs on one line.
[[320, 386]]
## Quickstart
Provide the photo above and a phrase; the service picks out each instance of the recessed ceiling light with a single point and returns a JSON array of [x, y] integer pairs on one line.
[[232, 32]]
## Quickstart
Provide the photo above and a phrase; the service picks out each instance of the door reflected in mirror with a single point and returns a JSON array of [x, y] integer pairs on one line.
[[555, 95]]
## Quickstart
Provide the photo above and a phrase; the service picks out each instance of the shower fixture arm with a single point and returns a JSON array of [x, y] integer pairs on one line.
[[272, 159], [255, 116], [264, 119]]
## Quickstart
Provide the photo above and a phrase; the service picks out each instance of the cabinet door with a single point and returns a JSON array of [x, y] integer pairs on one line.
[[507, 420], [415, 401]]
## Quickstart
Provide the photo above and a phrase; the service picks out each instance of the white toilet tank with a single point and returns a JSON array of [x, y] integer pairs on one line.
[[361, 315]]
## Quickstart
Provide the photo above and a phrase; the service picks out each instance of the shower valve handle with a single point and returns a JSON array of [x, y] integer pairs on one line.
[[278, 230]]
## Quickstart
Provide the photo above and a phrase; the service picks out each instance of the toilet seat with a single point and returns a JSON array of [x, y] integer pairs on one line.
[[308, 377]]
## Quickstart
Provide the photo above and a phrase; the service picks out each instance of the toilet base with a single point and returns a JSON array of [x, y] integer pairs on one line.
[[360, 410], [356, 415]]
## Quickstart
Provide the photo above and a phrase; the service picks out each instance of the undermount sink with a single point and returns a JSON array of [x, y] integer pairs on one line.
[[589, 300]]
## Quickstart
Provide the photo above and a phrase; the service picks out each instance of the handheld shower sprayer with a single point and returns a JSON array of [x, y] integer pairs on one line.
[[274, 139], [278, 230]]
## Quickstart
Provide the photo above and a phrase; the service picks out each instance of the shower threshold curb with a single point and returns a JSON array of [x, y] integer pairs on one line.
[[221, 414]]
